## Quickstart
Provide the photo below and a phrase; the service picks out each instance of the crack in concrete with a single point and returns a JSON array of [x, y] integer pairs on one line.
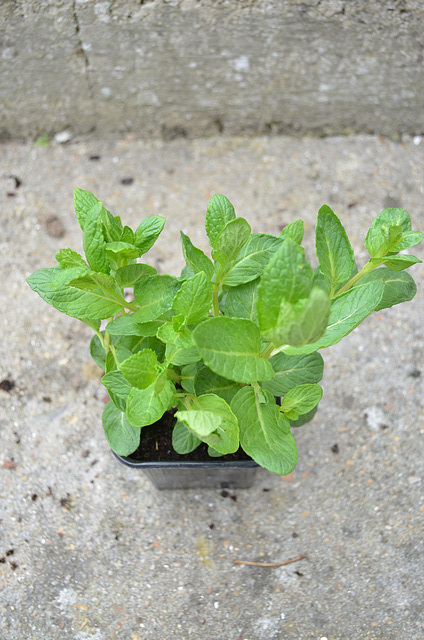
[[83, 53]]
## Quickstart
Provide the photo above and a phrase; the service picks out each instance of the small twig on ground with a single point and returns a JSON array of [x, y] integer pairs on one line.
[[270, 564]]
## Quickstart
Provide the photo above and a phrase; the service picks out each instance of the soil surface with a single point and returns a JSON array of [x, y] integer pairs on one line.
[[156, 445]]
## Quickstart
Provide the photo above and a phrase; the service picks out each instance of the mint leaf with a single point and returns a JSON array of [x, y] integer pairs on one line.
[[264, 432], [154, 295], [396, 263], [334, 251], [293, 230], [122, 437], [194, 299], [206, 381], [231, 240], [303, 419], [127, 235], [126, 326], [67, 258], [146, 406], [220, 211], [97, 352], [212, 420], [240, 301], [54, 286], [231, 347], [287, 277], [127, 276], [300, 400], [84, 201], [302, 323], [292, 371], [391, 232], [183, 440], [399, 286], [195, 259], [347, 311], [148, 232], [140, 368], [122, 250], [118, 388], [251, 261], [93, 241], [180, 356], [188, 373]]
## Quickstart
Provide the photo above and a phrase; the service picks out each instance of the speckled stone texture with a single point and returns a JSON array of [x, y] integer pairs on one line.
[[175, 68], [89, 549]]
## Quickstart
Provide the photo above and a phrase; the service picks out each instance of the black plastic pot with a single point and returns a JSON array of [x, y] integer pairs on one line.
[[216, 474]]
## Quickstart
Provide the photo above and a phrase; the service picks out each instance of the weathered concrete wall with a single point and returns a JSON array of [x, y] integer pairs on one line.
[[199, 67]]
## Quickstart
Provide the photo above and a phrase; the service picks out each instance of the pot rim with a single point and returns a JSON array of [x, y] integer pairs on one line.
[[189, 464]]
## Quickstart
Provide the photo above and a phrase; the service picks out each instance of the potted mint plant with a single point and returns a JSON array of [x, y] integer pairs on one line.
[[209, 373]]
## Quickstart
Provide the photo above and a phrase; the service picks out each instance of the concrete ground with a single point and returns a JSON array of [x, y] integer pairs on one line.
[[89, 550]]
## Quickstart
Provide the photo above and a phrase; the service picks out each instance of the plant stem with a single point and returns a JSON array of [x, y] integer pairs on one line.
[[266, 353], [367, 268]]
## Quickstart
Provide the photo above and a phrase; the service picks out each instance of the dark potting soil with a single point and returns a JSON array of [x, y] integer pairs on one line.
[[156, 445]]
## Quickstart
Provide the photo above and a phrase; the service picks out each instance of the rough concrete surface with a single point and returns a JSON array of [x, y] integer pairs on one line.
[[89, 549], [172, 68]]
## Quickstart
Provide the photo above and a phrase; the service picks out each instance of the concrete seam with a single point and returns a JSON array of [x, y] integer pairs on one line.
[[82, 51]]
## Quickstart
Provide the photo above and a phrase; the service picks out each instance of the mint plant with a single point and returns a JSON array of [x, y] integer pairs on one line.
[[218, 345]]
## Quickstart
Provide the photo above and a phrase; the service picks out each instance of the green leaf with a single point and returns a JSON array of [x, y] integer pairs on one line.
[[148, 232], [300, 400], [122, 250], [391, 232], [212, 420], [231, 240], [396, 263], [195, 259], [287, 277], [399, 286], [127, 276], [97, 352], [194, 299], [264, 432], [188, 373], [334, 251], [292, 371], [84, 201], [118, 388], [230, 347], [154, 295], [127, 235], [94, 242], [303, 419], [178, 337], [122, 437], [183, 440], [146, 406], [206, 381], [251, 261], [54, 286], [240, 301], [68, 258], [293, 230], [125, 326], [302, 323], [220, 211], [140, 368], [180, 356], [347, 311]]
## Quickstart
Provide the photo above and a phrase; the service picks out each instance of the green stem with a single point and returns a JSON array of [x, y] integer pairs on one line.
[[367, 268], [172, 374], [266, 353], [215, 301]]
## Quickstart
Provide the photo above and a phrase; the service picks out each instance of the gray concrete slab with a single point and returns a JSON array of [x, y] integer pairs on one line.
[[172, 68], [91, 550]]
